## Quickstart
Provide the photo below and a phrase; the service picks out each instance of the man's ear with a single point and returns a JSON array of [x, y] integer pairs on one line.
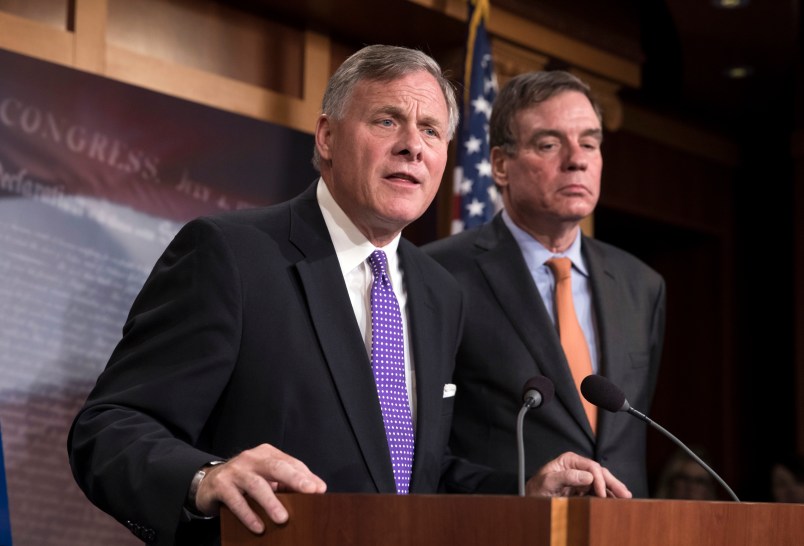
[[499, 166], [323, 137]]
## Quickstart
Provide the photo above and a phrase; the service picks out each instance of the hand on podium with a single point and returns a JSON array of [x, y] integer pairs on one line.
[[257, 474], [260, 472], [571, 475]]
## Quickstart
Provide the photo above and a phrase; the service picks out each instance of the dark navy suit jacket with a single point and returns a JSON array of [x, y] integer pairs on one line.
[[244, 334], [509, 337]]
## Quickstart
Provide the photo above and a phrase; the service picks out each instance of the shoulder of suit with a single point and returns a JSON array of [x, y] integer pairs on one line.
[[258, 215], [429, 265], [454, 248], [621, 260], [242, 216], [248, 230]]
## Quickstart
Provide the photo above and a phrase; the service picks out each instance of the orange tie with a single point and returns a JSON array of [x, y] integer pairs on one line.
[[570, 332]]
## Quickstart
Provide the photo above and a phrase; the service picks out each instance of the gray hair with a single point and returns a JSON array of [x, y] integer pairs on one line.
[[527, 90], [382, 63]]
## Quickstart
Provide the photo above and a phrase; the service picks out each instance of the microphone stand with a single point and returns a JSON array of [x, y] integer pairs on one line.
[[687, 450], [538, 391], [520, 443]]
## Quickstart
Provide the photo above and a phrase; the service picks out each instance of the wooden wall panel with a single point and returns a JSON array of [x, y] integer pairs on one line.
[[54, 13], [196, 50], [90, 18], [645, 177], [35, 39], [530, 34], [212, 38]]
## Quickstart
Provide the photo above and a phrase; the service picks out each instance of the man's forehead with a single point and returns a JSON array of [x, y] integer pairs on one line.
[[419, 80], [577, 113], [415, 87]]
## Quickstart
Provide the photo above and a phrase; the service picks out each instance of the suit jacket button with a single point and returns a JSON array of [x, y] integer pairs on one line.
[[149, 536]]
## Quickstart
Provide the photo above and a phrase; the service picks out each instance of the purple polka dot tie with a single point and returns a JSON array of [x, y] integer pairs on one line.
[[388, 364]]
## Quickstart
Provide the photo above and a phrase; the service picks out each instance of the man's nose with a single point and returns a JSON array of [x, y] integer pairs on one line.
[[410, 143], [576, 158]]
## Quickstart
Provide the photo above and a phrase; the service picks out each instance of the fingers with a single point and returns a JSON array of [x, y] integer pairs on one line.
[[559, 483], [602, 481], [573, 475], [256, 473], [614, 487], [231, 492]]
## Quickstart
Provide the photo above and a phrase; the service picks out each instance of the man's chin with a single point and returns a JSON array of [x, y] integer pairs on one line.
[[579, 212]]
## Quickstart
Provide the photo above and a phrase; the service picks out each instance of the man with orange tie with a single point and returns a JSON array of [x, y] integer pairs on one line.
[[542, 298]]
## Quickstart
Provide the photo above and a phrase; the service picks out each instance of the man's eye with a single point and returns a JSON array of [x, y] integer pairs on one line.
[[386, 122], [431, 132]]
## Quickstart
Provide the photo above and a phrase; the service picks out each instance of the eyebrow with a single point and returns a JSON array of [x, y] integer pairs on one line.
[[593, 133], [398, 113]]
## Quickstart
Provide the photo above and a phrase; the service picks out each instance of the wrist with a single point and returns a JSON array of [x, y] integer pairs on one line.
[[190, 502]]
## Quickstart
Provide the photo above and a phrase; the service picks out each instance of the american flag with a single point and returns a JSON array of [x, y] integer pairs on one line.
[[475, 196]]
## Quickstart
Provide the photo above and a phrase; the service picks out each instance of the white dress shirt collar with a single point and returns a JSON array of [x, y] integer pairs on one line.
[[536, 254], [351, 246]]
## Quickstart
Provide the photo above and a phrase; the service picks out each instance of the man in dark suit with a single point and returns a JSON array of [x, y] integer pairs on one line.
[[545, 138], [251, 341]]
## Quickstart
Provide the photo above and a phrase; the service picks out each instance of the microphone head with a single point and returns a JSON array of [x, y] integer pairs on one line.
[[603, 393], [540, 385]]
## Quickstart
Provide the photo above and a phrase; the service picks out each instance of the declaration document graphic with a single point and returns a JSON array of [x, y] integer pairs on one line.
[[96, 177]]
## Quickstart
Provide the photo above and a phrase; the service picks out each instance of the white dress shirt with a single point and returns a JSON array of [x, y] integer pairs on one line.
[[353, 249]]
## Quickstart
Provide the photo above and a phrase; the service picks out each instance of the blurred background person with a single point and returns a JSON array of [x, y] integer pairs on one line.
[[682, 477], [787, 479]]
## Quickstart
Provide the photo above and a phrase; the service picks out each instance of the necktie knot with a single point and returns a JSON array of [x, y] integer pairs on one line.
[[561, 267], [379, 264]]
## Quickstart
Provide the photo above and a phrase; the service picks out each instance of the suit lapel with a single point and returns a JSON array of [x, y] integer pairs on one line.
[[507, 273], [424, 335], [611, 324], [339, 336]]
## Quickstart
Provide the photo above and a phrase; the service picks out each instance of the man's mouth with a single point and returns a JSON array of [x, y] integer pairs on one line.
[[575, 188], [403, 176]]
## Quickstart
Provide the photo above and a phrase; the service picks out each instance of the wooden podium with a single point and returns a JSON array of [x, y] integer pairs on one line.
[[338, 519]]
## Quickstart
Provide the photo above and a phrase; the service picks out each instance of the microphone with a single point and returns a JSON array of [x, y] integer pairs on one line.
[[537, 392], [606, 395]]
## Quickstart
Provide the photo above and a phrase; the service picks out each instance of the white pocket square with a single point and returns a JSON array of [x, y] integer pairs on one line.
[[449, 390]]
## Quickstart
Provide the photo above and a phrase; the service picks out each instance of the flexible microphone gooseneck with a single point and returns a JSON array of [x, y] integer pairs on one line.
[[537, 392], [606, 395]]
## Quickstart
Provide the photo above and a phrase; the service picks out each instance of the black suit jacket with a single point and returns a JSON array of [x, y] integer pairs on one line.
[[508, 337], [244, 334]]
